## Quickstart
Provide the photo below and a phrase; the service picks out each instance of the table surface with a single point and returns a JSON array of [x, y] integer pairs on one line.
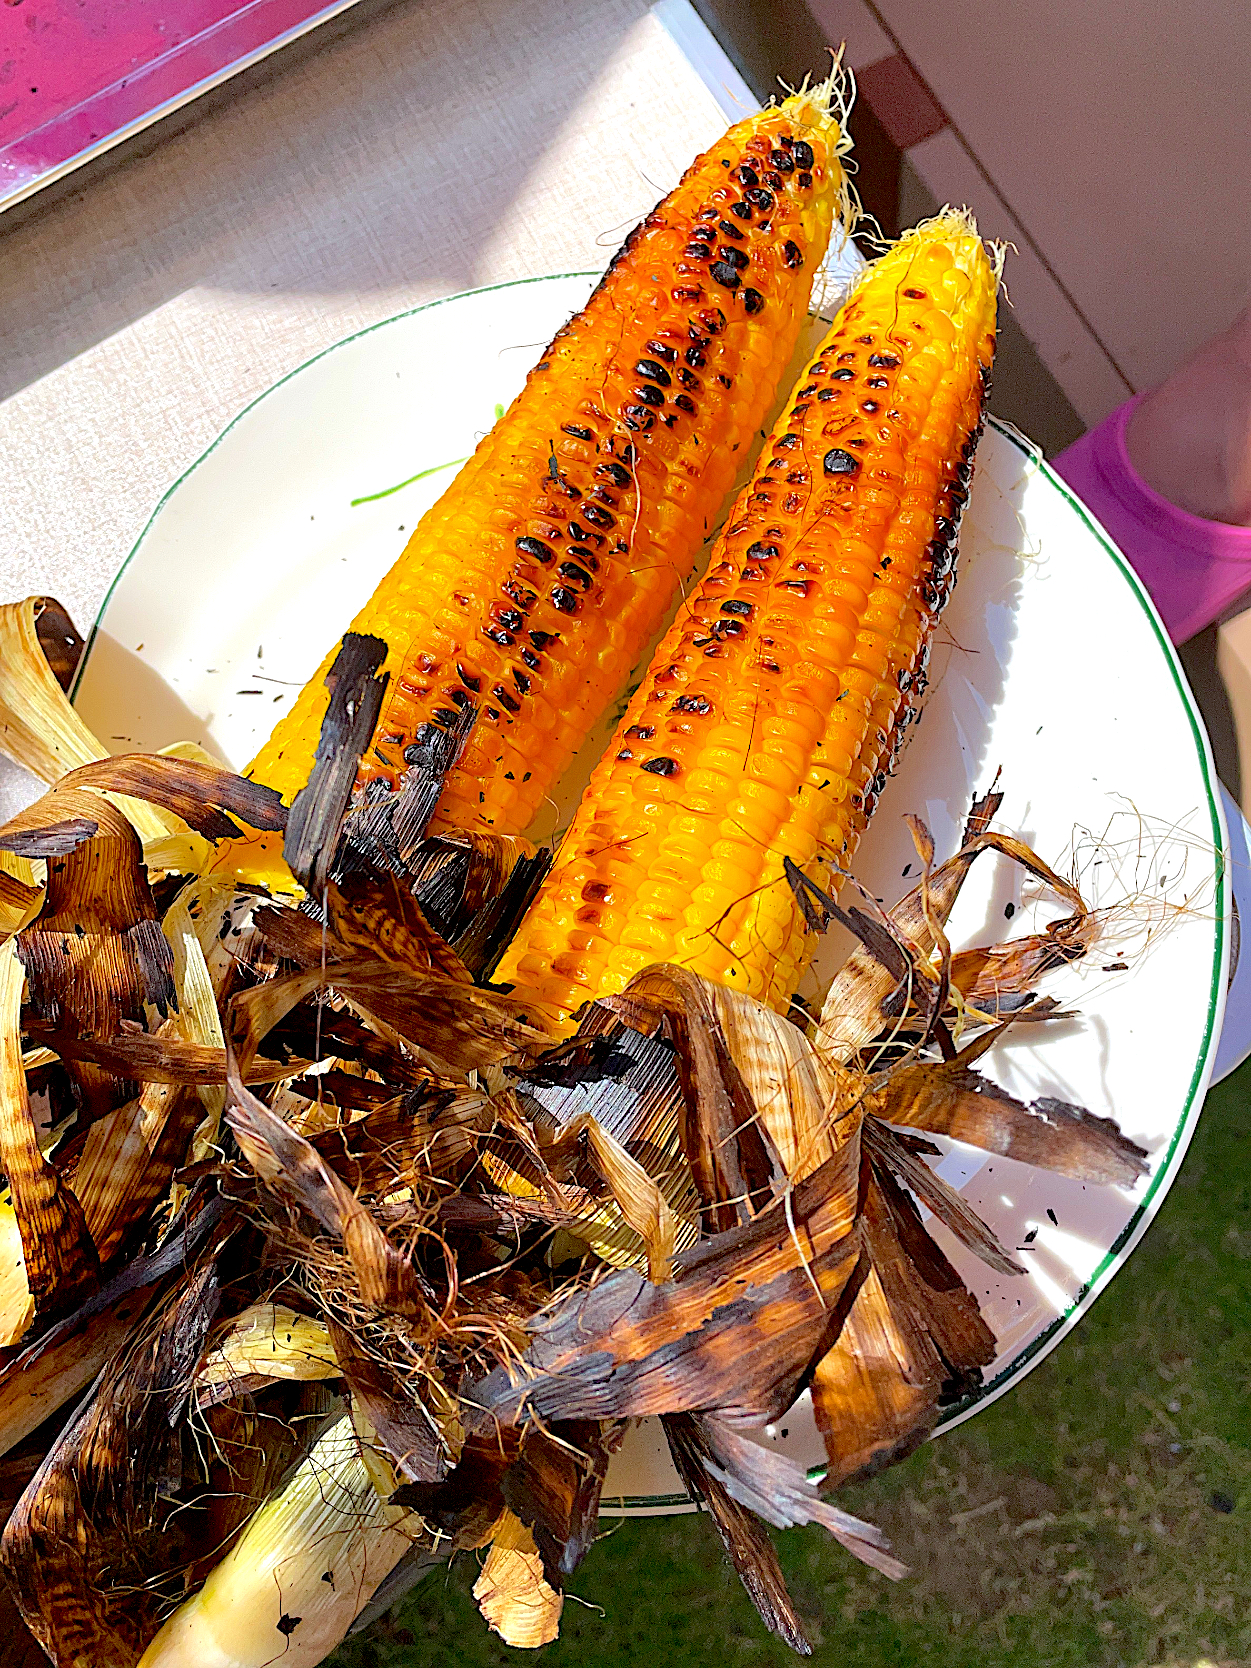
[[431, 148]]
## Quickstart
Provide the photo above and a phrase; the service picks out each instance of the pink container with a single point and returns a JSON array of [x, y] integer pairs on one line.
[[78, 76]]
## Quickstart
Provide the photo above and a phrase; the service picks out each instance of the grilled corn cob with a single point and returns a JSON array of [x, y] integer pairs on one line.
[[532, 586], [776, 703]]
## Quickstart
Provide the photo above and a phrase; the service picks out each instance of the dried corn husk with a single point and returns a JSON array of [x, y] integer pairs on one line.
[[789, 1083], [38, 727], [58, 1252], [512, 1591], [17, 1305], [21, 893]]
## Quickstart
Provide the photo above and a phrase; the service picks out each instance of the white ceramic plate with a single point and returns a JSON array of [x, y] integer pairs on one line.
[[1051, 665]]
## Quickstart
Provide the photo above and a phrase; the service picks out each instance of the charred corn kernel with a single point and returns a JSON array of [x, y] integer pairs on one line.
[[532, 586], [797, 667]]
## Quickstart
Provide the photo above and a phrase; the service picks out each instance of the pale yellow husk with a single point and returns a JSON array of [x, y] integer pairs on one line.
[[512, 1592], [269, 1600], [272, 1340]]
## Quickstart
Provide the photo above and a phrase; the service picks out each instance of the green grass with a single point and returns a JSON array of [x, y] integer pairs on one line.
[[1101, 1540]]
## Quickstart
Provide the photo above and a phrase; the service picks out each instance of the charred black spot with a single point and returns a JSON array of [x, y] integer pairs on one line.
[[640, 732], [746, 176], [742, 210], [792, 254], [684, 402], [512, 619], [571, 570], [577, 432], [763, 200], [694, 357], [736, 605], [541, 639], [585, 556], [445, 715], [424, 737], [868, 405], [505, 639], [662, 350], [828, 393], [692, 703], [624, 756], [725, 381], [782, 162], [531, 659], [736, 257], [730, 230], [459, 697], [469, 680], [648, 394], [884, 361], [789, 442], [599, 517], [753, 301], [564, 600], [728, 628], [505, 699], [724, 274], [536, 549], [838, 462], [713, 321], [876, 382], [697, 251], [915, 295], [650, 368], [615, 473], [639, 418], [687, 378], [803, 153], [521, 594], [661, 767], [760, 552]]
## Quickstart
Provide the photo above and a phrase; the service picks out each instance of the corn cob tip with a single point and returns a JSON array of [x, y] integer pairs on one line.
[[824, 107]]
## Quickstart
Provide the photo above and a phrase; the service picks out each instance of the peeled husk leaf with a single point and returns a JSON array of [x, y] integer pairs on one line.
[[21, 892], [17, 1305], [640, 1108], [739, 1329], [868, 995], [61, 1263], [90, 1509], [772, 1486], [913, 1339], [744, 1536], [734, 1163], [64, 1359], [785, 1076], [267, 1340], [950, 1098], [95, 955], [512, 1592], [554, 1485], [39, 729]]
